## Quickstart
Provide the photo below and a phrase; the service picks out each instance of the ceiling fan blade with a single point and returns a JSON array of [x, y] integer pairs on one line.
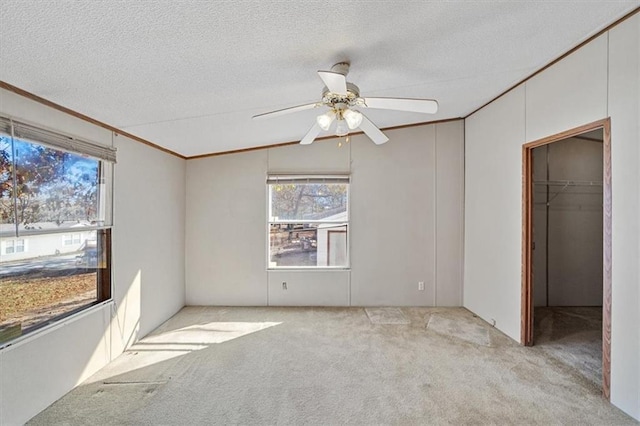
[[311, 135], [372, 131], [335, 82], [427, 106], [280, 112]]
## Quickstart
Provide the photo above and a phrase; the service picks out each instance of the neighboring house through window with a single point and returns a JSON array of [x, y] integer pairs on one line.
[[14, 246]]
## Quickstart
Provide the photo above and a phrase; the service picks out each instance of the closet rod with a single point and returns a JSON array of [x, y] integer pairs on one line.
[[568, 182]]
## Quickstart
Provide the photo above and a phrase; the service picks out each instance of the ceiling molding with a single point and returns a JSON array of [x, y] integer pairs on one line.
[[118, 132], [559, 58], [320, 139]]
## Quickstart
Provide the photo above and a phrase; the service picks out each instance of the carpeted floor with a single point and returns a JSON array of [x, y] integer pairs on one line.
[[329, 366], [573, 336]]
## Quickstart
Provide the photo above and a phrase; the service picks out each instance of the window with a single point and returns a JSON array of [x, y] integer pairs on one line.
[[14, 246], [55, 190], [71, 239], [308, 221]]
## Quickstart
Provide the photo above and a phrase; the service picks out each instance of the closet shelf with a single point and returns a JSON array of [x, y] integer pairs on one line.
[[564, 184], [568, 182]]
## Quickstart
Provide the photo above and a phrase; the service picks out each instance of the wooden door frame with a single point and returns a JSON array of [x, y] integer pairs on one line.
[[526, 323]]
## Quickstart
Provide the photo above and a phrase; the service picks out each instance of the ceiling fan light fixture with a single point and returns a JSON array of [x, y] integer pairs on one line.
[[342, 128], [325, 120], [339, 96], [353, 118]]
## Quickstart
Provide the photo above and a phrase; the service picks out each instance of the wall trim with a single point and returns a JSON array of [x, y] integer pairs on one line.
[[323, 138], [119, 132], [559, 58], [39, 99], [50, 104], [526, 318]]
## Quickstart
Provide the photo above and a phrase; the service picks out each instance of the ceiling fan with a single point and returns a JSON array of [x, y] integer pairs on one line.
[[342, 97]]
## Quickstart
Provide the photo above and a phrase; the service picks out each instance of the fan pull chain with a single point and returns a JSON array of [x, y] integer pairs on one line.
[[347, 139]]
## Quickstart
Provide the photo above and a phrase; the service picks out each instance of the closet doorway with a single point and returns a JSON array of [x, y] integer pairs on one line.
[[566, 285]]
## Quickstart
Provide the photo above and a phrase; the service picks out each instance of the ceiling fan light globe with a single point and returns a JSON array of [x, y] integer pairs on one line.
[[325, 120], [353, 118], [342, 129]]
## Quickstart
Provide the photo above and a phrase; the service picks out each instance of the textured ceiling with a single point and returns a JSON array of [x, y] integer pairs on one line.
[[188, 75]]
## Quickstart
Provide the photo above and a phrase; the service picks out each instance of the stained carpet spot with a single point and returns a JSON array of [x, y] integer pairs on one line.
[[386, 316], [461, 328]]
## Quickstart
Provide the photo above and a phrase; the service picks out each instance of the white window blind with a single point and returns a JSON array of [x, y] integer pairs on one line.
[[57, 140], [299, 179]]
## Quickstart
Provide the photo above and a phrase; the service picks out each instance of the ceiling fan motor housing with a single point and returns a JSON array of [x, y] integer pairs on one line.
[[341, 68], [332, 100]]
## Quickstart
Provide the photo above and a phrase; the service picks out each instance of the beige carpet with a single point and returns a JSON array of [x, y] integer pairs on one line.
[[386, 316], [573, 336], [323, 366], [452, 325]]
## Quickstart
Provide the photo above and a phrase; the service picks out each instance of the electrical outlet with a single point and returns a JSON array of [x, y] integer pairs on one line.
[[421, 285], [284, 285]]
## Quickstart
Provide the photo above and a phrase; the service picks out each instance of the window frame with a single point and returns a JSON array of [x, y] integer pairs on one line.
[[105, 157], [308, 179]]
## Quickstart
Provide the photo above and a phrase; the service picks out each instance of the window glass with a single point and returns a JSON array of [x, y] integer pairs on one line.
[[7, 218], [54, 189], [313, 201], [48, 280], [54, 245], [308, 225]]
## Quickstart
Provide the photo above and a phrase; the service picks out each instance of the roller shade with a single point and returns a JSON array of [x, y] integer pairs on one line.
[[302, 179], [57, 140]]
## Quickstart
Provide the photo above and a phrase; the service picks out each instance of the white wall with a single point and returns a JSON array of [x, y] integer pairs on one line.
[[148, 272], [575, 224], [225, 231], [599, 80], [624, 109], [406, 223], [148, 240], [493, 225], [539, 222]]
